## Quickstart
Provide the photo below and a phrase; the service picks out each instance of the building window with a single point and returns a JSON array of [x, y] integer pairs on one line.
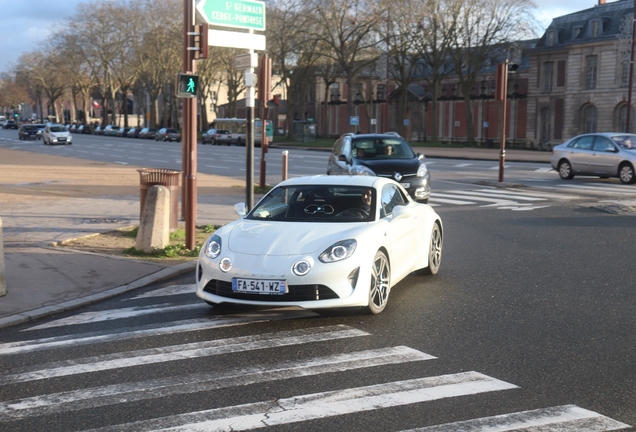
[[576, 32], [551, 38], [380, 91], [622, 118], [546, 125], [548, 76], [589, 119], [334, 91], [595, 28], [625, 74], [591, 66]]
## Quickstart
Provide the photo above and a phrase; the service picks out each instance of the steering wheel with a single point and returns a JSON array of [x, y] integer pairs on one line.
[[356, 212]]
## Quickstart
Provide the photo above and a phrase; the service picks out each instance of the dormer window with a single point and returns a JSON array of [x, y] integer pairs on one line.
[[576, 32], [595, 28], [551, 38]]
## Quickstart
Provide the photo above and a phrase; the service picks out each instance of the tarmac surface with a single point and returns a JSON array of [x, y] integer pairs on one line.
[[45, 200]]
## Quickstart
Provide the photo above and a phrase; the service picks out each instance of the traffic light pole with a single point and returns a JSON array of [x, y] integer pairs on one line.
[[189, 146], [249, 144]]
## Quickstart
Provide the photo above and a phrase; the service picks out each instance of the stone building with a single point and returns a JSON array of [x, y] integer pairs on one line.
[[579, 74]]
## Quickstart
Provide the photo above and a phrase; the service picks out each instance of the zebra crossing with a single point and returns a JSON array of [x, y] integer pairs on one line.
[[93, 383], [517, 199]]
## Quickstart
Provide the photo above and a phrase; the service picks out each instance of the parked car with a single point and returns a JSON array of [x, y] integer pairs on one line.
[[28, 131], [9, 124], [133, 132], [56, 134], [209, 136], [610, 154], [147, 133], [111, 130], [382, 155], [122, 132], [99, 130], [40, 128], [85, 129], [73, 128], [168, 134], [324, 242], [224, 137]]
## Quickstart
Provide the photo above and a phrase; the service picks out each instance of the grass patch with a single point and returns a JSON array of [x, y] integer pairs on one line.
[[177, 247]]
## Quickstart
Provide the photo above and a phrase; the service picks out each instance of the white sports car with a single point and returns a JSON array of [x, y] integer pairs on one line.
[[321, 242]]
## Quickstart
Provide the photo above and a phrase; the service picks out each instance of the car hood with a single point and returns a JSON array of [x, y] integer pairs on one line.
[[390, 166], [293, 238]]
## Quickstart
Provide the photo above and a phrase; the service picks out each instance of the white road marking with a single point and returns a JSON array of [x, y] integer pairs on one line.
[[461, 165], [567, 418], [544, 170], [457, 194], [91, 398], [497, 167], [322, 405], [114, 314], [434, 198], [121, 163], [180, 352], [547, 195], [600, 189], [499, 195], [168, 291]]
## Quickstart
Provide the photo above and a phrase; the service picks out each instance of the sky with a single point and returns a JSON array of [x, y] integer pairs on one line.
[[26, 24]]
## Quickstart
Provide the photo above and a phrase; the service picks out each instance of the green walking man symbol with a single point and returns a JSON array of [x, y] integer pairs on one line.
[[190, 88]]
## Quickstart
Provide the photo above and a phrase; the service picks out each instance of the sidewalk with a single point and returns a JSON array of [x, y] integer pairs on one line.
[[48, 199]]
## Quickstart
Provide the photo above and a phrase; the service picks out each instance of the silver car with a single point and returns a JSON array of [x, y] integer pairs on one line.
[[610, 154]]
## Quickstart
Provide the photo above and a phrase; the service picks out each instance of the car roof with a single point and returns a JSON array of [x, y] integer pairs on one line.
[[327, 180]]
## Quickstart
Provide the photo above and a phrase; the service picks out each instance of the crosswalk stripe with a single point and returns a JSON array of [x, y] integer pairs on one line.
[[434, 198], [114, 314], [151, 330], [499, 195], [463, 165], [544, 170], [168, 291], [180, 352], [567, 418], [546, 195], [476, 198], [113, 394], [322, 405], [600, 189]]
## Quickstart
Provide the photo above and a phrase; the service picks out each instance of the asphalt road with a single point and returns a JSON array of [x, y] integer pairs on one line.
[[530, 322]]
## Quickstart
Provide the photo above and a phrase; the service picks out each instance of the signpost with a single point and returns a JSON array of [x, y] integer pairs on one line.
[[243, 14]]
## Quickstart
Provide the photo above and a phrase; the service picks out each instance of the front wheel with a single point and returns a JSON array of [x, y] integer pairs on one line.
[[380, 283], [434, 252], [565, 170], [626, 174]]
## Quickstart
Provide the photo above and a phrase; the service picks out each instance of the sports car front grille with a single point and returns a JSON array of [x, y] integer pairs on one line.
[[296, 293]]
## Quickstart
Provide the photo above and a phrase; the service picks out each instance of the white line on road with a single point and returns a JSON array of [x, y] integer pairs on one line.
[[500, 195], [322, 405], [181, 352], [91, 398], [567, 418]]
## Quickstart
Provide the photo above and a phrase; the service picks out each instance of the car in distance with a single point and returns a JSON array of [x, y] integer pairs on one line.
[[147, 133], [608, 154], [168, 134], [84, 129], [382, 155], [9, 124], [28, 131], [99, 130], [56, 134], [111, 130], [323, 242], [133, 132]]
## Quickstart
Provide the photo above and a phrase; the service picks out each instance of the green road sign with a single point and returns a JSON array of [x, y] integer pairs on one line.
[[244, 14]]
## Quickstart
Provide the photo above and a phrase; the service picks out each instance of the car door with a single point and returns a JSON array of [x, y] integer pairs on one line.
[[605, 157], [580, 155], [400, 232]]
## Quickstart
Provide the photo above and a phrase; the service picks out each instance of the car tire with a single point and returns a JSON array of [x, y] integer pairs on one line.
[[565, 170], [434, 251], [380, 286], [626, 173]]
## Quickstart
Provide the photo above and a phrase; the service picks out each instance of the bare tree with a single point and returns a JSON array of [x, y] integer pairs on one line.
[[210, 72], [480, 29]]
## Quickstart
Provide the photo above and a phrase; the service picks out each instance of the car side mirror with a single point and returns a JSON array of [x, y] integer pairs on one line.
[[611, 150], [342, 158], [240, 209], [420, 156]]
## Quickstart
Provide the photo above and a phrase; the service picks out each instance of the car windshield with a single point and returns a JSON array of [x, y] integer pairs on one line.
[[317, 203], [627, 142], [29, 127], [381, 148], [57, 129]]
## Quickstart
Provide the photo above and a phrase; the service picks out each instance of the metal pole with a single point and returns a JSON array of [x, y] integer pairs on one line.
[[631, 74], [503, 91], [249, 157], [285, 163]]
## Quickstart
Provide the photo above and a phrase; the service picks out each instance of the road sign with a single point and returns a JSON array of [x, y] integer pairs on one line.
[[354, 121], [230, 39], [244, 14], [246, 61]]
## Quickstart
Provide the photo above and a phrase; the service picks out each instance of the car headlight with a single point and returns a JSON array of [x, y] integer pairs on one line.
[[422, 171], [301, 268], [338, 251], [362, 170], [213, 248]]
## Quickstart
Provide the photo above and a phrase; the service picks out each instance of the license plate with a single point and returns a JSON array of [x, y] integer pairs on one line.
[[259, 286], [61, 139], [406, 185]]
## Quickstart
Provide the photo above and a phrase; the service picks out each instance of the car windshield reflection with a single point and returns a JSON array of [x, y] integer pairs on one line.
[[381, 148]]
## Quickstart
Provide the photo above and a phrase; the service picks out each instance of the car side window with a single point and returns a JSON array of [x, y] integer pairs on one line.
[[337, 147], [583, 143], [391, 197], [602, 144]]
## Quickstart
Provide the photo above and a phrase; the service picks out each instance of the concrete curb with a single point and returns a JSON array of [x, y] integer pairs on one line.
[[158, 276]]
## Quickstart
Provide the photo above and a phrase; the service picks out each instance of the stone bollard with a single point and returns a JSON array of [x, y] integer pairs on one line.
[[154, 226], [3, 279]]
